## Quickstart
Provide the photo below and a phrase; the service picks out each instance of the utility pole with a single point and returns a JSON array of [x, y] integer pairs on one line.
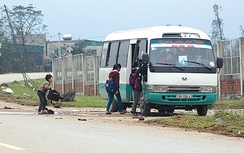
[[11, 28], [59, 47]]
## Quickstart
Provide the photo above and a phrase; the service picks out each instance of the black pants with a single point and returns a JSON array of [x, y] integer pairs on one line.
[[43, 101]]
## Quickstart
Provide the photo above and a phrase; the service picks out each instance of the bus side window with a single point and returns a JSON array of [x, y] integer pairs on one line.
[[108, 55], [123, 52], [104, 54], [112, 54]]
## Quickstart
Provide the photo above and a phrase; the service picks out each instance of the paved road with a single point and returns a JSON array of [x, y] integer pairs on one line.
[[27, 132], [18, 76], [66, 134]]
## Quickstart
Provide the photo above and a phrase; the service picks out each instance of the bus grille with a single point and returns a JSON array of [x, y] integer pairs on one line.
[[184, 89]]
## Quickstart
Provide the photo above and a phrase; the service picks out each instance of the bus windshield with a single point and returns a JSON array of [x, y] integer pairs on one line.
[[181, 52]]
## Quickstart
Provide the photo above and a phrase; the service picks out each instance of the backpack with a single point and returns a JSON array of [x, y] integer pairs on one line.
[[133, 82], [68, 96], [110, 86], [53, 95]]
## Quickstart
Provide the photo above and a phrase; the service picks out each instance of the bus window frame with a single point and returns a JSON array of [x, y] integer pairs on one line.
[[138, 49]]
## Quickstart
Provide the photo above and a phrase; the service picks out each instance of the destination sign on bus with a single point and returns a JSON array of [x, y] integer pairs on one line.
[[180, 42]]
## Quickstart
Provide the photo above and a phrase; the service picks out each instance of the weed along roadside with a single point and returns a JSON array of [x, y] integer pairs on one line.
[[27, 96], [221, 122], [228, 118]]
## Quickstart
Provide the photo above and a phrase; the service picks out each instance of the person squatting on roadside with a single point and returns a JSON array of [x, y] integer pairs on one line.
[[135, 82], [115, 75], [41, 92]]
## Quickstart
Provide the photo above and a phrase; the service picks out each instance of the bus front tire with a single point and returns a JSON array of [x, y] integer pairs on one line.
[[145, 108], [202, 110]]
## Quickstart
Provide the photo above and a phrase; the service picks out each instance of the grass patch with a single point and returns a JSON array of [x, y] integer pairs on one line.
[[86, 101], [220, 123], [26, 95], [228, 104]]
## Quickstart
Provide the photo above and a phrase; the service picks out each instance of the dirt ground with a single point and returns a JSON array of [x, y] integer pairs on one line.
[[12, 106]]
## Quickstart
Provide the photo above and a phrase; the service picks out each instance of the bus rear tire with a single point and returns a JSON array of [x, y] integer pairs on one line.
[[114, 106], [202, 110]]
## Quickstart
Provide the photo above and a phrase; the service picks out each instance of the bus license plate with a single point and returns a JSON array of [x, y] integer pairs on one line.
[[184, 96]]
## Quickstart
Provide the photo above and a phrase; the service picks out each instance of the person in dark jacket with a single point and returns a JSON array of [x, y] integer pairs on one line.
[[137, 88], [41, 92], [115, 75]]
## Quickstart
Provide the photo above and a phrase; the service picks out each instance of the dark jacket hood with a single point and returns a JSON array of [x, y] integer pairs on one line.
[[113, 73]]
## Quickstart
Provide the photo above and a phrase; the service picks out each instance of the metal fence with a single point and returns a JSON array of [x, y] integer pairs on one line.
[[81, 73], [230, 77], [76, 72]]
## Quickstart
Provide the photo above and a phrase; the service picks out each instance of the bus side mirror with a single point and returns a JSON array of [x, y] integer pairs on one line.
[[145, 58], [219, 62]]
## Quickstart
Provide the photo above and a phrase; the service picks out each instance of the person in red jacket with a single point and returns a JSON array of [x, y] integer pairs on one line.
[[136, 87], [115, 75]]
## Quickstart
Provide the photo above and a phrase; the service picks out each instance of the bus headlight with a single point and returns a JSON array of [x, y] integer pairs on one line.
[[152, 88], [208, 89]]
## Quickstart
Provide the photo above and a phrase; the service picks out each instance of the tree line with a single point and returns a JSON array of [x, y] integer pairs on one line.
[[20, 22]]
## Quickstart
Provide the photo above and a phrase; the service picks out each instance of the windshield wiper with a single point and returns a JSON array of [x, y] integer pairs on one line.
[[199, 64], [171, 65]]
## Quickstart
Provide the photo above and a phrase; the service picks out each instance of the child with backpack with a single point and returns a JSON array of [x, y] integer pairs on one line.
[[41, 92], [135, 83], [115, 75]]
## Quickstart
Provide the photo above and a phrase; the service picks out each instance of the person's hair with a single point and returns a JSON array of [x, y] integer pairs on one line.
[[116, 66], [133, 70], [48, 76]]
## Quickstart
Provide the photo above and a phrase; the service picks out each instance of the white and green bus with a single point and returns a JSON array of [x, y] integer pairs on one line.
[[188, 81]]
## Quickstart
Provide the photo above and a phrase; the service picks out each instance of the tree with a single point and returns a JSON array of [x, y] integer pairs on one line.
[[6, 54], [242, 31], [26, 27], [217, 25], [78, 47]]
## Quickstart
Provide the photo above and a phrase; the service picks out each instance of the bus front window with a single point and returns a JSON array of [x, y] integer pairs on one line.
[[166, 52]]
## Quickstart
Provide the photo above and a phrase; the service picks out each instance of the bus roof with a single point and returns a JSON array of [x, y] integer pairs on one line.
[[157, 32]]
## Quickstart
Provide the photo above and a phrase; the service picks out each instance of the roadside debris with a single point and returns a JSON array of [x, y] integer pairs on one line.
[[82, 119], [6, 107], [58, 118], [141, 119], [7, 90], [4, 85], [25, 94]]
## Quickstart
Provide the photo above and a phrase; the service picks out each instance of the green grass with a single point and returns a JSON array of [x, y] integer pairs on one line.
[[86, 101], [228, 104], [220, 123], [21, 91]]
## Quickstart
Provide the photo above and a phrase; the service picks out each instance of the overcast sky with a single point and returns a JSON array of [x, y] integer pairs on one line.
[[94, 19]]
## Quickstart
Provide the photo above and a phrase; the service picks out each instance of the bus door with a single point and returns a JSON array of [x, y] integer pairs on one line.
[[138, 48]]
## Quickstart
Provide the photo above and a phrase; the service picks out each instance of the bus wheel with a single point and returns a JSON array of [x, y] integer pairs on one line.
[[170, 110], [202, 110], [144, 107], [125, 105], [114, 106]]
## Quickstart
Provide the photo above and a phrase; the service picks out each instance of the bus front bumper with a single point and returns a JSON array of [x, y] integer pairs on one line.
[[180, 99]]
